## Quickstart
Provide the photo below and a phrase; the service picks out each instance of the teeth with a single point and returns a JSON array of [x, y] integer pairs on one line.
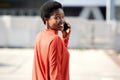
[[61, 25]]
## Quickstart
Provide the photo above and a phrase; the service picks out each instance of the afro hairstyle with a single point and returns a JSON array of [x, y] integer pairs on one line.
[[48, 7]]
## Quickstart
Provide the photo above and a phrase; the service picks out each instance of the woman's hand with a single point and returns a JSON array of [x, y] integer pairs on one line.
[[66, 34]]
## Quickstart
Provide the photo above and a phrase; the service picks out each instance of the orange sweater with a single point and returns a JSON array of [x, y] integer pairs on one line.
[[51, 57]]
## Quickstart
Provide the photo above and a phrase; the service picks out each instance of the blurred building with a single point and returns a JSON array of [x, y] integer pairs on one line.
[[93, 9], [20, 7], [20, 22], [117, 3]]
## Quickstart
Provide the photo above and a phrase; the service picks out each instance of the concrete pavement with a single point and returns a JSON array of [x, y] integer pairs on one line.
[[94, 65], [16, 64]]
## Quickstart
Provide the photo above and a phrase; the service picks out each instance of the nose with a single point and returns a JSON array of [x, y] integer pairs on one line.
[[62, 20]]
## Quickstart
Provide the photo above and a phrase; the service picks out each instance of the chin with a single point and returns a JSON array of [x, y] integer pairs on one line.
[[60, 29]]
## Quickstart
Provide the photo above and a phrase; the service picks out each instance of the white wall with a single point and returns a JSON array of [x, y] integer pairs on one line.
[[21, 32]]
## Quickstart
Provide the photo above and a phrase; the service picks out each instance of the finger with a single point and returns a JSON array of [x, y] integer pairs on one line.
[[68, 30]]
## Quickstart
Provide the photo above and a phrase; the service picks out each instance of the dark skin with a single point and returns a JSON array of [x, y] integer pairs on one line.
[[56, 22]]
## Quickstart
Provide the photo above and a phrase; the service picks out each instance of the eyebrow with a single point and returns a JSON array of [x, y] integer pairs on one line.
[[57, 14]]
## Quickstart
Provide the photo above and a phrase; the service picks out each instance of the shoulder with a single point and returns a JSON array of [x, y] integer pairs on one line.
[[56, 39], [38, 35], [56, 44]]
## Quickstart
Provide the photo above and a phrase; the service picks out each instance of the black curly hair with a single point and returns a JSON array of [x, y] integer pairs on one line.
[[48, 7]]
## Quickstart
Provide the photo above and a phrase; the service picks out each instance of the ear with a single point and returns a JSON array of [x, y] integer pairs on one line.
[[45, 20]]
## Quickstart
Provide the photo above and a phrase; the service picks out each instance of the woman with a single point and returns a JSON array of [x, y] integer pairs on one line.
[[51, 56]]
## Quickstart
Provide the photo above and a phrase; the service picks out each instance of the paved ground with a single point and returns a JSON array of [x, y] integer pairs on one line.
[[16, 64]]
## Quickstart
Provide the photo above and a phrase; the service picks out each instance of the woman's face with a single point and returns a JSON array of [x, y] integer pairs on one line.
[[56, 20]]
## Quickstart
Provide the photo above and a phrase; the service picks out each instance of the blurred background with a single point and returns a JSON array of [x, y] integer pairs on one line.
[[94, 42], [95, 24]]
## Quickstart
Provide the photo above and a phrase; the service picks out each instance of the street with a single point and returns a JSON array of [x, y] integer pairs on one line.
[[16, 64]]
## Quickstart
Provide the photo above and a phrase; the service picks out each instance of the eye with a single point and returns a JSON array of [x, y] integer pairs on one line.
[[57, 17]]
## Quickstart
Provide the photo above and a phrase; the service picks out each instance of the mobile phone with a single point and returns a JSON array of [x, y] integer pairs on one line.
[[66, 26]]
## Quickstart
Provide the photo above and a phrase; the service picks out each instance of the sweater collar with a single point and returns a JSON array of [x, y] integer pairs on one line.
[[51, 31]]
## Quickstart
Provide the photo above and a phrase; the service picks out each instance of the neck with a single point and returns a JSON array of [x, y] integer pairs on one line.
[[48, 27]]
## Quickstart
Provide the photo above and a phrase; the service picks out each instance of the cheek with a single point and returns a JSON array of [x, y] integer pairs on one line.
[[53, 23]]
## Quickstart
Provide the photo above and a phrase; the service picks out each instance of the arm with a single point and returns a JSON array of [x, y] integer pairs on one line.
[[66, 35], [65, 41], [55, 60]]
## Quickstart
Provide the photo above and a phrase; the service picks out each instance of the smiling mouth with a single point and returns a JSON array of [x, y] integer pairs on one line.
[[61, 25]]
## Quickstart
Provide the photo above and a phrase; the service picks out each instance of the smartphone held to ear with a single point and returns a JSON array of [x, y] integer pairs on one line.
[[66, 27]]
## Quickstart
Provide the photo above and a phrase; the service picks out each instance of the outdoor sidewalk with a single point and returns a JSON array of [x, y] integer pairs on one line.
[[16, 64]]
